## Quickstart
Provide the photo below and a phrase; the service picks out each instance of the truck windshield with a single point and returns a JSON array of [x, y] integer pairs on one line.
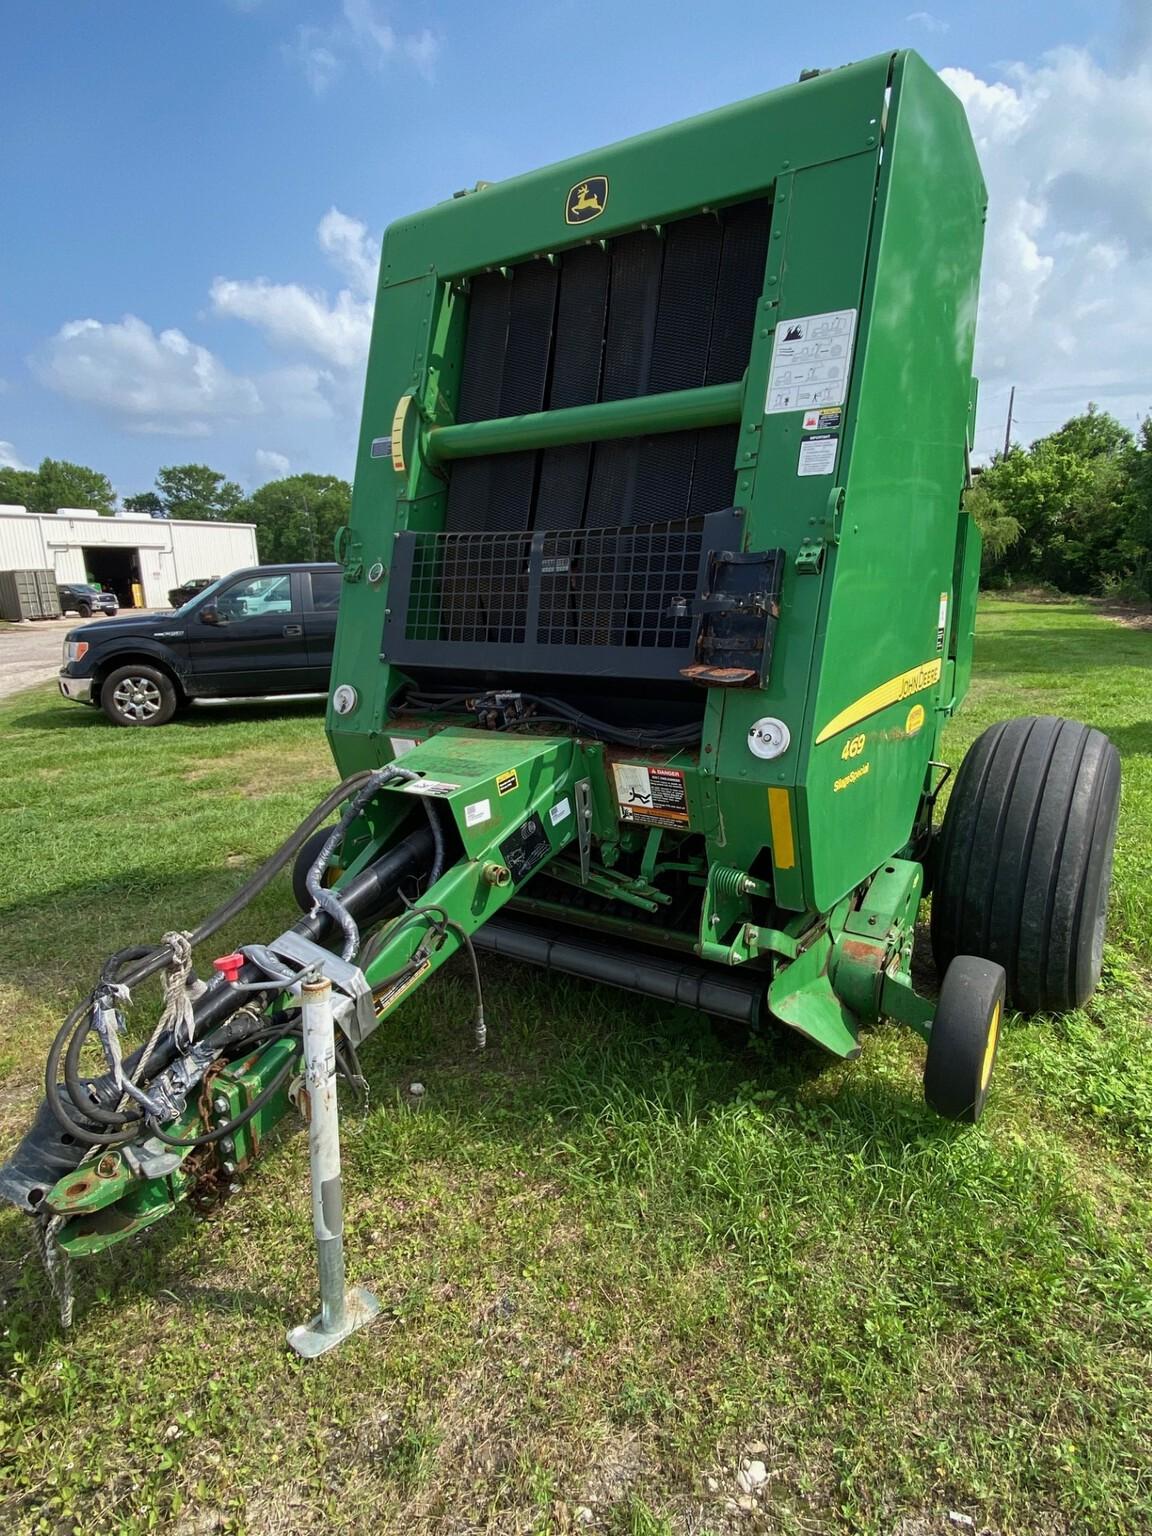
[[199, 598]]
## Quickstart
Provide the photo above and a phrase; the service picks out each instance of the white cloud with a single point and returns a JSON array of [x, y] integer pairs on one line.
[[1066, 299], [293, 316], [10, 459], [156, 382], [272, 465], [336, 330], [310, 50], [361, 35], [347, 242], [930, 23]]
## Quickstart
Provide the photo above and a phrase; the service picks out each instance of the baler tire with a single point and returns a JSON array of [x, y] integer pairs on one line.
[[309, 852], [1025, 859], [965, 1033], [157, 690]]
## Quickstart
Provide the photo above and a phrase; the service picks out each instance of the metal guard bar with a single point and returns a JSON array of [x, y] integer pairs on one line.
[[713, 405]]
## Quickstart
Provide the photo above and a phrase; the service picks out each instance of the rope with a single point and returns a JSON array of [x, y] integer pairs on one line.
[[177, 1014], [57, 1264]]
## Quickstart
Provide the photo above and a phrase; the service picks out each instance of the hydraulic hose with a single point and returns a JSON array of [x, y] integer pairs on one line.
[[361, 895]]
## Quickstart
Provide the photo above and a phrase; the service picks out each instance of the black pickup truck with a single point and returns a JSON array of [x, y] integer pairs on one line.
[[266, 630]]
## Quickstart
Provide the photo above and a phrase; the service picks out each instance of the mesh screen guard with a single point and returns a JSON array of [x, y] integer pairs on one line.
[[620, 602]]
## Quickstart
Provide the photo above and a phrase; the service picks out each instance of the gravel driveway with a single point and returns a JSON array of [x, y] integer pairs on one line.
[[30, 652]]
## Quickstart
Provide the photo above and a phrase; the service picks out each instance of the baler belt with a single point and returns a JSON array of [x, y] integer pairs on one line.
[[654, 312]]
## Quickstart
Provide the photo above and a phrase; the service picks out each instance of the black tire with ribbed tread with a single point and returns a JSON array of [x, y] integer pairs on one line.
[[1025, 858]]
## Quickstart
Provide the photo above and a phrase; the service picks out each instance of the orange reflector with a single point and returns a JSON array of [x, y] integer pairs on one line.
[[780, 819]]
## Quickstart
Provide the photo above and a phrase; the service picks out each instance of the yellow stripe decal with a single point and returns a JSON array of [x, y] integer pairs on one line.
[[903, 686], [780, 820]]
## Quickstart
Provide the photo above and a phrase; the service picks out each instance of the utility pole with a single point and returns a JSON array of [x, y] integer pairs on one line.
[[1008, 423]]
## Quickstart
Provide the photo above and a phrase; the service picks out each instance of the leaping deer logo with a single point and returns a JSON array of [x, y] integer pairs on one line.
[[587, 200]]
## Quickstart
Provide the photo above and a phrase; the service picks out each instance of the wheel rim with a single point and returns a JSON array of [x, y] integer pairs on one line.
[[990, 1048], [137, 698]]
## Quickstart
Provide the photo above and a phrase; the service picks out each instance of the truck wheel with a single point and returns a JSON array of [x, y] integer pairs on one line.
[[965, 1032], [84, 610], [1025, 859], [139, 695], [305, 859]]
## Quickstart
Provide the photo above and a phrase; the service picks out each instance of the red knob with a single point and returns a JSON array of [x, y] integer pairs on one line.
[[229, 966]]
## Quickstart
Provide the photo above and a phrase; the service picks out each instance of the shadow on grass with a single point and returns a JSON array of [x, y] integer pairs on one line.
[[55, 717], [1064, 651]]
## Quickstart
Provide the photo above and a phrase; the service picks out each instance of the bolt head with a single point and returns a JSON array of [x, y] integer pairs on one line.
[[228, 1165], [220, 1104]]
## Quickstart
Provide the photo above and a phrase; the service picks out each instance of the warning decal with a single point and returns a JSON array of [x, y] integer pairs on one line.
[[811, 360], [942, 621], [507, 782], [383, 999], [823, 421], [654, 796]]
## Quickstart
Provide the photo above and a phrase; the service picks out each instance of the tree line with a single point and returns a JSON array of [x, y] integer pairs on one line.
[[1072, 511], [296, 517]]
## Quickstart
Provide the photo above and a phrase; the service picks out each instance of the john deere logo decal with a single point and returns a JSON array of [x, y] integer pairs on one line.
[[587, 200]]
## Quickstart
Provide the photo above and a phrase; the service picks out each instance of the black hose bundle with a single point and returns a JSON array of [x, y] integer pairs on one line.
[[114, 1126], [547, 710]]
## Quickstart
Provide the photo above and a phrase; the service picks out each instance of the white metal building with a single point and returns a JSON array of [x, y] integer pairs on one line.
[[137, 557]]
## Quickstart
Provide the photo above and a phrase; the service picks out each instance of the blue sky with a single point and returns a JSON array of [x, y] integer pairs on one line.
[[194, 191]]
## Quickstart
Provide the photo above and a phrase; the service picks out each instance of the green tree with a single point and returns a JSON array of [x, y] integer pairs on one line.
[[1069, 496], [296, 518], [17, 487], [61, 484], [145, 501], [195, 490]]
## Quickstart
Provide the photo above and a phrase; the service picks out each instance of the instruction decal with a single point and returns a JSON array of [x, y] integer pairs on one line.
[[817, 456], [527, 847], [654, 797], [477, 813], [429, 787], [507, 782], [560, 811], [942, 621], [811, 361], [402, 744]]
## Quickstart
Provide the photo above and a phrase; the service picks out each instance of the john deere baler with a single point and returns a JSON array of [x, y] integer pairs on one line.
[[658, 592]]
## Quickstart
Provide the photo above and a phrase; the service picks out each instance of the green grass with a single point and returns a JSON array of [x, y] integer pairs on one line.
[[615, 1253]]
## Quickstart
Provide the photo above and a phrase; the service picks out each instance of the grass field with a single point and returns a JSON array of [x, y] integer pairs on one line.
[[617, 1255]]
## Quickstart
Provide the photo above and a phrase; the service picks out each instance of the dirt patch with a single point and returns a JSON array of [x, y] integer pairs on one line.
[[1132, 616]]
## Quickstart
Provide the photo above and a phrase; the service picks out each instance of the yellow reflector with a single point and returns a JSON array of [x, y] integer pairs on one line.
[[780, 820]]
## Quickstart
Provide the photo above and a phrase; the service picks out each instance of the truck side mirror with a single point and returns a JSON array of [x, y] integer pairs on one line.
[[211, 615]]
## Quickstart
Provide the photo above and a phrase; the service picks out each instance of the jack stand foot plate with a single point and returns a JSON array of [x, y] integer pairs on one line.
[[310, 1339]]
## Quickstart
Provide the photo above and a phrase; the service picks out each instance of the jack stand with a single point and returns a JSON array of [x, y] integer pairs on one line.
[[342, 1311]]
